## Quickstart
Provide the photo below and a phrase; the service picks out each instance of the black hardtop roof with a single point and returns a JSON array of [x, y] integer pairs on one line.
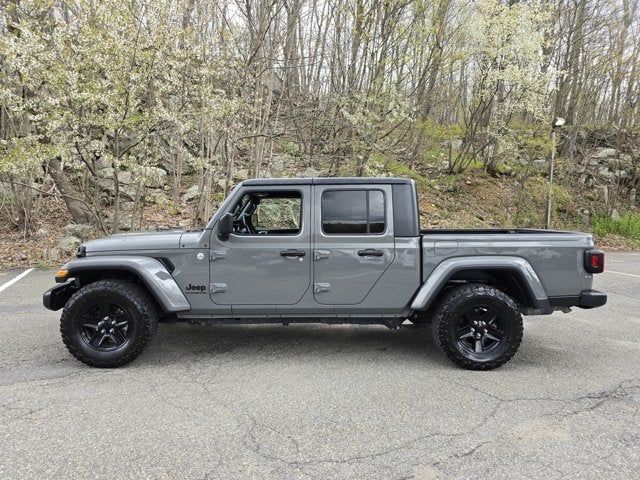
[[328, 181]]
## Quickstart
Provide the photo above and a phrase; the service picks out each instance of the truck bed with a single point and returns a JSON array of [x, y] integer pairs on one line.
[[556, 256], [489, 231]]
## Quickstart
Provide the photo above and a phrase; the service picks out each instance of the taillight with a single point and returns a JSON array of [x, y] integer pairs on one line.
[[594, 261]]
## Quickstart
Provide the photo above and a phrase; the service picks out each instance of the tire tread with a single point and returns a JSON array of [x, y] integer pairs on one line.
[[450, 302], [136, 295]]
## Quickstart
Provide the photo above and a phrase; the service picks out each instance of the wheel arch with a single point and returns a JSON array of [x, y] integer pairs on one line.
[[513, 275], [150, 273]]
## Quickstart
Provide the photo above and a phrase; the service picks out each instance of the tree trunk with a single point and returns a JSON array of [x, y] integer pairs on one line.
[[78, 210]]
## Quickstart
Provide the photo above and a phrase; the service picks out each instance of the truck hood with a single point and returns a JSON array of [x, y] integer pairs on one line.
[[163, 240]]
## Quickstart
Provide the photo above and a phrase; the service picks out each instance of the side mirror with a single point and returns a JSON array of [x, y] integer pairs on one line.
[[226, 226]]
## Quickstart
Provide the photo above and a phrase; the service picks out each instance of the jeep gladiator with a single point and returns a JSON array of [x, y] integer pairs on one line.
[[330, 250]]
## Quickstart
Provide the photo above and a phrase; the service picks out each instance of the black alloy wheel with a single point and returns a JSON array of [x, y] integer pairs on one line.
[[105, 326], [479, 327], [108, 323]]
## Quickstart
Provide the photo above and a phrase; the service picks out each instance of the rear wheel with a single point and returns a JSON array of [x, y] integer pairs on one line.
[[108, 323], [478, 327]]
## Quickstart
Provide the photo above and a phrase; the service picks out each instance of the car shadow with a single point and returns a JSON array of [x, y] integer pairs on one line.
[[179, 343], [176, 342]]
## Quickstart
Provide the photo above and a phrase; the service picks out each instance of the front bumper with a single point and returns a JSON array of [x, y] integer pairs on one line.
[[56, 297]]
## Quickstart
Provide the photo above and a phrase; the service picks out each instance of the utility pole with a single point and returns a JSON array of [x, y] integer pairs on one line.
[[557, 123]]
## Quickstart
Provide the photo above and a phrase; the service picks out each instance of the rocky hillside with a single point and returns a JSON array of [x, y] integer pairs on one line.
[[585, 193]]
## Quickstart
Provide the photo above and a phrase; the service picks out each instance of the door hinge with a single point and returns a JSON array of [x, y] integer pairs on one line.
[[217, 287], [217, 254], [321, 287], [320, 254]]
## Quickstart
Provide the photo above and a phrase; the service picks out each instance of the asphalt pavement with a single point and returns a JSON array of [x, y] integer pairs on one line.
[[344, 402]]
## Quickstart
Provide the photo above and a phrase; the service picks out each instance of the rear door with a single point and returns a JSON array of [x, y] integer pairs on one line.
[[353, 241]]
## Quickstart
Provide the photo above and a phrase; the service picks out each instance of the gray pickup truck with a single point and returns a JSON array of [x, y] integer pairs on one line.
[[330, 250]]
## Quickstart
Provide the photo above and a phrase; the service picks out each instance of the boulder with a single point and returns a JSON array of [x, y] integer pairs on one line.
[[191, 194], [124, 221], [277, 165], [124, 224], [625, 159], [310, 172], [127, 191], [157, 198], [125, 177], [83, 231], [69, 244], [241, 174], [539, 163], [603, 153], [105, 172], [155, 177], [604, 172], [42, 233], [106, 175]]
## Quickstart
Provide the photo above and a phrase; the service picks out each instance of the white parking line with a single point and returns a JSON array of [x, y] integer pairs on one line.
[[622, 261], [16, 279], [622, 273]]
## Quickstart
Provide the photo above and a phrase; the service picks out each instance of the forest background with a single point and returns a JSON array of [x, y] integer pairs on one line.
[[137, 114]]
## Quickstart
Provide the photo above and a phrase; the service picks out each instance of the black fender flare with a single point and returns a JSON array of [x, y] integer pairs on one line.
[[153, 274], [448, 268]]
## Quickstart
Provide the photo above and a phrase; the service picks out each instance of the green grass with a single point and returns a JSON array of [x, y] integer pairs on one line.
[[628, 225]]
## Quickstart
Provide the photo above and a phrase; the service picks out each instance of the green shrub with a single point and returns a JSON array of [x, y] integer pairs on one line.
[[628, 225], [437, 133], [431, 156], [535, 146], [531, 202], [292, 149]]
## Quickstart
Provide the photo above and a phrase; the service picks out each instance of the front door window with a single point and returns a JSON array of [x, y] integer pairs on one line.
[[268, 213]]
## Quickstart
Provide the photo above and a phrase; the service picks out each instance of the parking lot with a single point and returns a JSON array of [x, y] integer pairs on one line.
[[324, 401]]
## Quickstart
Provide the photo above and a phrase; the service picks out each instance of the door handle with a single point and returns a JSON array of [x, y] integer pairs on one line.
[[292, 253], [217, 287], [320, 254], [370, 252], [217, 254], [321, 287]]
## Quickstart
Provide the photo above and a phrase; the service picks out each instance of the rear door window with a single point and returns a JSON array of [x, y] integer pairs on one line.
[[353, 212]]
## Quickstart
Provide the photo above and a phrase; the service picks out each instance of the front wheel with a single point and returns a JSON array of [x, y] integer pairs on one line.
[[478, 327], [108, 323]]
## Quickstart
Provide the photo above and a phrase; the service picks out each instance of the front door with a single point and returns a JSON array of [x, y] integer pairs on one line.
[[267, 259], [353, 241]]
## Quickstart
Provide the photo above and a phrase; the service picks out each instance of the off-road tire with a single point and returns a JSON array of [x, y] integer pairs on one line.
[[452, 309], [135, 302]]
